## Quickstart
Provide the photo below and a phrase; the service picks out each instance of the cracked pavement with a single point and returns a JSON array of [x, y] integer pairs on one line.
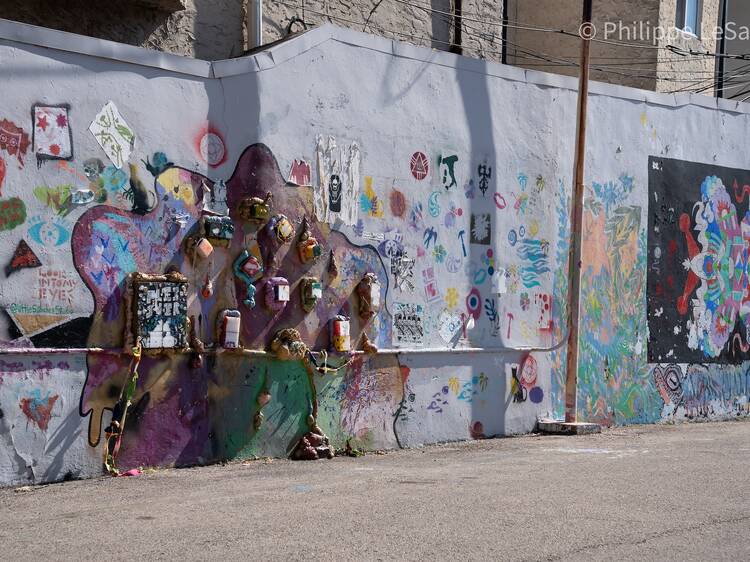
[[667, 492]]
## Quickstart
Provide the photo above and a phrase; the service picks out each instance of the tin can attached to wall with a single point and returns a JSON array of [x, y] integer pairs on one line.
[[340, 338]]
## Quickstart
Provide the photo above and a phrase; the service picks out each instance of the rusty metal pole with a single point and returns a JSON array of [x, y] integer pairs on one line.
[[576, 221]]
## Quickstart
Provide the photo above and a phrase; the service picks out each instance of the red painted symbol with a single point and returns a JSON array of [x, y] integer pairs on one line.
[[2, 174], [510, 319], [500, 201], [419, 165], [529, 371]]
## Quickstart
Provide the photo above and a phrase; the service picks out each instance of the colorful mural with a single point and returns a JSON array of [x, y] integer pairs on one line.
[[699, 242], [171, 298], [613, 378]]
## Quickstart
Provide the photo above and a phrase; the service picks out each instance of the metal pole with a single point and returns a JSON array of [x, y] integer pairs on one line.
[[255, 27], [722, 50], [576, 221]]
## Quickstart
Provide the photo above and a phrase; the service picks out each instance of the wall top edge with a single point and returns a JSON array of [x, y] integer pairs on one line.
[[101, 48], [287, 49]]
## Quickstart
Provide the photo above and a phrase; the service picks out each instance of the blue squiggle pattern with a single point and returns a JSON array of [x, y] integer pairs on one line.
[[534, 253]]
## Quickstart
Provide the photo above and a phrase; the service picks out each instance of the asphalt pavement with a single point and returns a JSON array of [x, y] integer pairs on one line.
[[668, 492]]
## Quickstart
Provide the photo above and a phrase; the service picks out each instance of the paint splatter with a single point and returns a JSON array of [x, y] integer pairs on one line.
[[37, 409], [398, 203]]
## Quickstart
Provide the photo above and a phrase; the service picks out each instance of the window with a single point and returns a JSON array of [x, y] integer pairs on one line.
[[689, 16]]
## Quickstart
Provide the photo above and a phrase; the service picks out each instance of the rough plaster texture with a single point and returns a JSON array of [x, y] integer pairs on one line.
[[393, 100]]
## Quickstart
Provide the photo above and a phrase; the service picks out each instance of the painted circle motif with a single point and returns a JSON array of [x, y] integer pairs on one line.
[[212, 148], [420, 167], [669, 383], [521, 231], [536, 395], [529, 371], [474, 303], [398, 203], [512, 237]]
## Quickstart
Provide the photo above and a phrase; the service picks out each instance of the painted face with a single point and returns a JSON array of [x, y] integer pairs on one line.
[[335, 187]]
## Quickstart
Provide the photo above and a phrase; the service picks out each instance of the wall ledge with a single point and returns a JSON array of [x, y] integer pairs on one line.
[[293, 46]]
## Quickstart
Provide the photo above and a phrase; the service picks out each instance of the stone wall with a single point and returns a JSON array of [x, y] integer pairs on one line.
[[420, 22], [633, 21], [206, 29], [677, 72], [216, 29]]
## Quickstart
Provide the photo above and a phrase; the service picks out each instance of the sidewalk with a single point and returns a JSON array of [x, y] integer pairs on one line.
[[644, 492]]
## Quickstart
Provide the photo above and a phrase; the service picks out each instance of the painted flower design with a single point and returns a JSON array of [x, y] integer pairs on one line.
[[439, 253], [451, 297], [114, 179]]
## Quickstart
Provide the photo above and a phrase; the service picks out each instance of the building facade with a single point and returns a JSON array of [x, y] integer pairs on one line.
[[732, 79], [217, 29], [651, 44], [638, 33]]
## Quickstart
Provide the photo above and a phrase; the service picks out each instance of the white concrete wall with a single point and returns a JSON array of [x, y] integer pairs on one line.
[[392, 100]]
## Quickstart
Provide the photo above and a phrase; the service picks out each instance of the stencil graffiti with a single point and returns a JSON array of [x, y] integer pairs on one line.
[[402, 269], [161, 313], [52, 138], [431, 291], [23, 258], [57, 198], [300, 173], [450, 327], [334, 193], [408, 324], [433, 205], [45, 232], [370, 203], [534, 253], [485, 174], [447, 171], [13, 140], [211, 146], [157, 164], [439, 399], [480, 231], [12, 213], [113, 134], [419, 166], [56, 286], [337, 195], [430, 237], [474, 303]]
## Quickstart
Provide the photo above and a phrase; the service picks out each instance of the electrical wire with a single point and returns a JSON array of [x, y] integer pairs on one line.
[[622, 69]]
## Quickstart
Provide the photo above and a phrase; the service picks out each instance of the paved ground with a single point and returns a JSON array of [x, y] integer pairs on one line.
[[648, 492]]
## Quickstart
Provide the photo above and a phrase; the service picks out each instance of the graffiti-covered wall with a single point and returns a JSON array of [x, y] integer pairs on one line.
[[338, 242]]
